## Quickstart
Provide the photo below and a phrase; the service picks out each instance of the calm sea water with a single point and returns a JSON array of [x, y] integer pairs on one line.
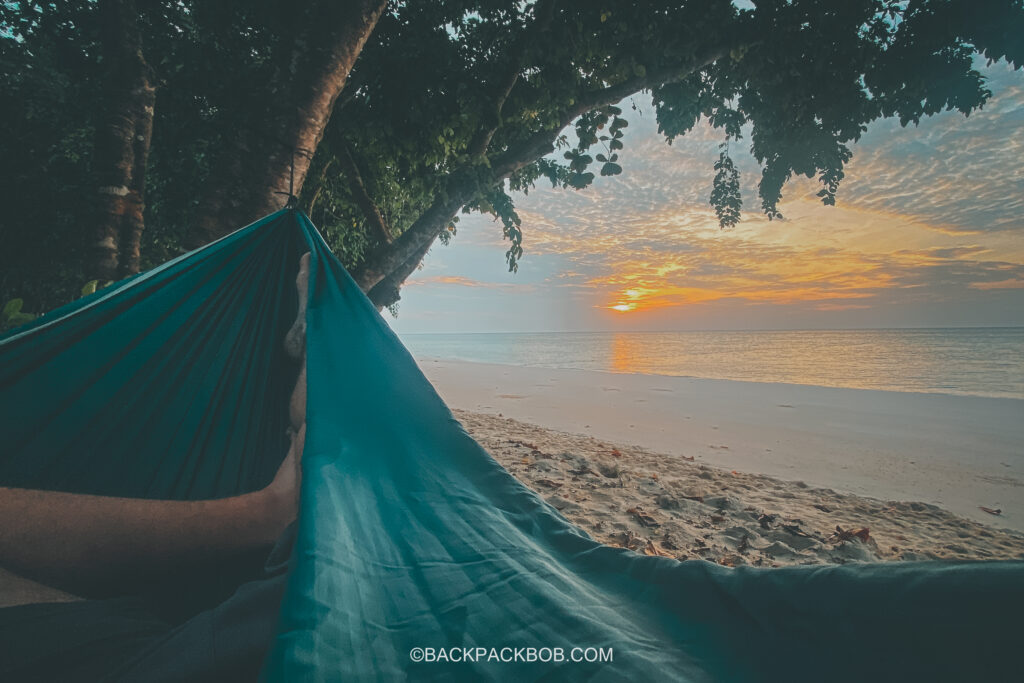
[[974, 361]]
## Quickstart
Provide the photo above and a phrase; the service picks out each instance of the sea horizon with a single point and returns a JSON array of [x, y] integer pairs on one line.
[[972, 361]]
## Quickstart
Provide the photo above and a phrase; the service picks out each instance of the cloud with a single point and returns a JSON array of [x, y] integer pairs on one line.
[[457, 281], [928, 218]]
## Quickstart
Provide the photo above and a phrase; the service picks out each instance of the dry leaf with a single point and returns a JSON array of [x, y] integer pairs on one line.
[[652, 549], [642, 517], [990, 511]]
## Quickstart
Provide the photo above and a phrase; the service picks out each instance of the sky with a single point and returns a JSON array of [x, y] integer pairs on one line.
[[928, 231]]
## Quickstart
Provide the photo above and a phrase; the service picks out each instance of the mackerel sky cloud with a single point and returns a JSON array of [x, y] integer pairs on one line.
[[928, 231]]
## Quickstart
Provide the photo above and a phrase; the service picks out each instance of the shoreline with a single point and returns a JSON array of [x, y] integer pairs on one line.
[[422, 360], [952, 451]]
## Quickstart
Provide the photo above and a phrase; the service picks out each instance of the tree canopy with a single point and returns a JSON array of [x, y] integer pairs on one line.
[[455, 106]]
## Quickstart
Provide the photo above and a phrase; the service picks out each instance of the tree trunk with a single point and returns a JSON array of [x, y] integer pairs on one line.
[[387, 291], [254, 174], [121, 146]]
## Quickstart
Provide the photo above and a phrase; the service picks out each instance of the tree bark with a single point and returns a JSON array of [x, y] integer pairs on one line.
[[388, 291], [121, 146], [379, 227], [254, 173]]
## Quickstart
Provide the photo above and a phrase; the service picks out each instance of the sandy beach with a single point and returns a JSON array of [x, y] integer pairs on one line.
[[750, 473]]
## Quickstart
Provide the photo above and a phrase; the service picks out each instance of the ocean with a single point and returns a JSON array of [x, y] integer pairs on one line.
[[986, 361]]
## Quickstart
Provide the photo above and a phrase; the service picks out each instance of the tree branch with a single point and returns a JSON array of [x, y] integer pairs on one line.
[[386, 292], [542, 142], [543, 12], [418, 237], [355, 182]]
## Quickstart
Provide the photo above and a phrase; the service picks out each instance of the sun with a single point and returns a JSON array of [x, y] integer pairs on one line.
[[623, 307]]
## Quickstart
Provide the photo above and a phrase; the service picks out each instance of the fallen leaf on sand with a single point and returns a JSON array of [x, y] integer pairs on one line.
[[652, 549], [687, 457], [616, 452], [731, 560], [842, 535], [548, 482], [642, 517], [990, 511], [766, 521], [823, 508]]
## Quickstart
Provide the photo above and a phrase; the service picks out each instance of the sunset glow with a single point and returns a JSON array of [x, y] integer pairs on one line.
[[922, 235]]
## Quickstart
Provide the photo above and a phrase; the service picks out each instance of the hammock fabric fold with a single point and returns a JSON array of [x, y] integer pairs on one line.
[[174, 384]]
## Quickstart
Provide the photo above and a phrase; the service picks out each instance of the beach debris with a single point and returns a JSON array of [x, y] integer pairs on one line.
[[549, 483], [642, 517], [842, 535], [731, 560], [990, 511], [687, 457], [633, 542], [654, 476], [525, 444], [651, 548], [823, 508], [667, 541], [766, 520], [744, 545], [718, 448], [616, 452]]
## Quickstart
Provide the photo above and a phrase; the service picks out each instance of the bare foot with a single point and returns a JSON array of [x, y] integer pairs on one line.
[[295, 340]]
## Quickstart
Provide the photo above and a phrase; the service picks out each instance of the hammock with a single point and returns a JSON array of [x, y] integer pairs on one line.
[[174, 384]]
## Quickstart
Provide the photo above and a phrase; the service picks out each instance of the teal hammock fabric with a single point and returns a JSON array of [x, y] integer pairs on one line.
[[173, 384]]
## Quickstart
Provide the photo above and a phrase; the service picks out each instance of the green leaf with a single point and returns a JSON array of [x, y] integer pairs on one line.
[[580, 180], [13, 307], [611, 169], [89, 287]]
